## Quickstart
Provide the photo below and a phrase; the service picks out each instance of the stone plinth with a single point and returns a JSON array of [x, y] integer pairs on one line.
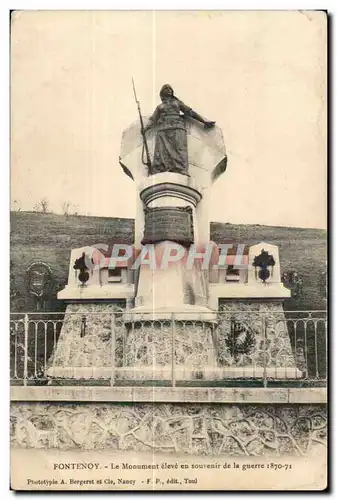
[[153, 344], [261, 342], [86, 348], [124, 291], [170, 285], [170, 316]]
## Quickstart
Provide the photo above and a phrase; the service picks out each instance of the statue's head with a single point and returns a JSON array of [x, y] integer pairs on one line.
[[166, 91]]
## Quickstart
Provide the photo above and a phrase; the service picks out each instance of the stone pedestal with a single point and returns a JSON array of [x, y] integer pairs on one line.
[[86, 347], [191, 343], [171, 324], [260, 347]]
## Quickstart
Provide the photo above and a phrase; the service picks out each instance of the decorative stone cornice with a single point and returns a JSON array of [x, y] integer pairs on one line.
[[170, 189], [248, 395]]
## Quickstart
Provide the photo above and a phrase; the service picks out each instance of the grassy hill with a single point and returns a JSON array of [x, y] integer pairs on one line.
[[50, 237]]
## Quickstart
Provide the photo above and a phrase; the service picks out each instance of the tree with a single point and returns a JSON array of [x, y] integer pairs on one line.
[[66, 208], [69, 208], [42, 206]]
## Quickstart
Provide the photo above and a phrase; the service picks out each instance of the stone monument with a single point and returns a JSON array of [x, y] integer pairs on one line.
[[170, 283], [159, 313]]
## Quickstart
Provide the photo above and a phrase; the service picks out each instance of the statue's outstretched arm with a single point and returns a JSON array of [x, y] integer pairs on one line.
[[190, 112]]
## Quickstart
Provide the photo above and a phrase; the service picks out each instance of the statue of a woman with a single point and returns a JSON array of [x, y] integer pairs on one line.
[[170, 154]]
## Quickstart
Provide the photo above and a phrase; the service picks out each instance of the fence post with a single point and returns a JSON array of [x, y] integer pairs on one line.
[[113, 349], [264, 350], [25, 361], [173, 331]]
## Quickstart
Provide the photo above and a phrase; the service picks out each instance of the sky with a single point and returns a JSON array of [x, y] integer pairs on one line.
[[260, 75]]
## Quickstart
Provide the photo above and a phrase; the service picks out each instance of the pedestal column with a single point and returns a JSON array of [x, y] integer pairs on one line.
[[171, 317]]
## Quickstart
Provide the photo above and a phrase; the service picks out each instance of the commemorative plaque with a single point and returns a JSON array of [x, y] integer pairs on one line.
[[168, 223]]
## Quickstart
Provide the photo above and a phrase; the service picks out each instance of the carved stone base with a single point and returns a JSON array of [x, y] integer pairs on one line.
[[152, 344], [195, 429], [254, 336], [85, 339], [143, 348], [85, 348]]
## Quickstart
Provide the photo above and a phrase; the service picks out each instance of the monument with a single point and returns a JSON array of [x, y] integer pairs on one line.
[[184, 347], [183, 311], [174, 309]]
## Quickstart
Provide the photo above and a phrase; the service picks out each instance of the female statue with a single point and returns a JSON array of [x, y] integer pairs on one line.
[[170, 154]]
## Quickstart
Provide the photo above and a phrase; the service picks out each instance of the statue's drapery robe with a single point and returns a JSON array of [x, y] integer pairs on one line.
[[170, 154]]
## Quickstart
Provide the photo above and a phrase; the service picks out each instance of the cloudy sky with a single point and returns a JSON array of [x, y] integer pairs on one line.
[[260, 75]]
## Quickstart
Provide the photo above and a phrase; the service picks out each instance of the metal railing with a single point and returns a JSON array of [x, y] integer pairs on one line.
[[231, 347]]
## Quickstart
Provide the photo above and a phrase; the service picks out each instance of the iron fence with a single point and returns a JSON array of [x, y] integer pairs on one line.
[[229, 347]]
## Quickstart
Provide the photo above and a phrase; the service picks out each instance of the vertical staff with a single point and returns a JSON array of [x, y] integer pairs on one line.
[[142, 129]]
